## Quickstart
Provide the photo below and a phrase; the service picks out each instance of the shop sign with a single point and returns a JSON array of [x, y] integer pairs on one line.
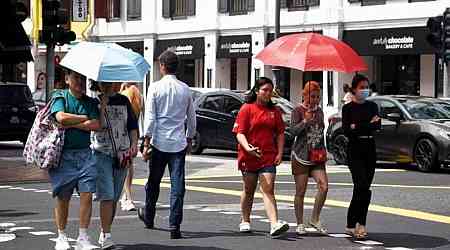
[[234, 47], [190, 48], [79, 10], [401, 41]]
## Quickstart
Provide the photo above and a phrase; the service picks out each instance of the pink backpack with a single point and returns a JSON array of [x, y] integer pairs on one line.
[[46, 140]]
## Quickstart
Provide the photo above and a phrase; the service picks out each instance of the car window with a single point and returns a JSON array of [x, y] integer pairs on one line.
[[231, 104], [213, 103], [14, 94], [387, 107], [426, 110]]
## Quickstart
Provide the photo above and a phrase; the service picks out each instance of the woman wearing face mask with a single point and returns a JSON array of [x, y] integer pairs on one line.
[[359, 119], [307, 126]]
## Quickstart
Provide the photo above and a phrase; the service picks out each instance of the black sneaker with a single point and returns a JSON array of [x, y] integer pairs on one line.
[[141, 215], [176, 234]]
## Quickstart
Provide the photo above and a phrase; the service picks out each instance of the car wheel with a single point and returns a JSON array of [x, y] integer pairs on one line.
[[340, 149], [425, 155], [197, 147]]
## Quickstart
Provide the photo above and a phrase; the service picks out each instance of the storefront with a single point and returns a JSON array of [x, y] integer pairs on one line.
[[234, 61], [191, 52], [400, 60]]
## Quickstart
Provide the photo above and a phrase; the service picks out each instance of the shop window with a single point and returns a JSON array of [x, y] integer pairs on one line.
[[296, 5], [176, 9], [236, 7], [113, 10], [134, 9], [368, 2]]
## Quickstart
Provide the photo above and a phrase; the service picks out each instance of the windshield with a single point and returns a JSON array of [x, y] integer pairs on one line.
[[14, 94], [427, 110]]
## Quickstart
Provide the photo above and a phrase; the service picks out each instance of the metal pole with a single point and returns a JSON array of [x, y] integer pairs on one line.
[[446, 80], [50, 69], [275, 69]]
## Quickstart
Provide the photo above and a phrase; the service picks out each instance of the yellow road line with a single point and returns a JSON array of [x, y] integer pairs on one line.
[[375, 208], [280, 174], [331, 184]]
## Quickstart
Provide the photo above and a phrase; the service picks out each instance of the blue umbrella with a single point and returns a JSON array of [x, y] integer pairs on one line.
[[106, 62]]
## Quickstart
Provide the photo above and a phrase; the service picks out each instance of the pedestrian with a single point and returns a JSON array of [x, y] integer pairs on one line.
[[308, 156], [359, 120], [118, 138], [39, 93], [134, 96], [170, 126], [79, 114], [348, 96], [259, 130]]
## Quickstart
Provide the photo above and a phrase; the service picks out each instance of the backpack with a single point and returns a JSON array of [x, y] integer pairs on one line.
[[45, 141]]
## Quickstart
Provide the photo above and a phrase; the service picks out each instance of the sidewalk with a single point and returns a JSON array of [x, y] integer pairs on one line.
[[13, 169]]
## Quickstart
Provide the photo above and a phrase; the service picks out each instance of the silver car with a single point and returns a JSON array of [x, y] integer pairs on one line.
[[414, 130]]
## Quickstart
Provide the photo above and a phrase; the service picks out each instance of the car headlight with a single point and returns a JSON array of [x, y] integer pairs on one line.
[[445, 134]]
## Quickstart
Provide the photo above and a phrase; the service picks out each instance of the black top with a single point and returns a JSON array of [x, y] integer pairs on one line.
[[360, 115]]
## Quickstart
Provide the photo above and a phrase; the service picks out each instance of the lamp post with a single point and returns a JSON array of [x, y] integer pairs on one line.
[[276, 70]]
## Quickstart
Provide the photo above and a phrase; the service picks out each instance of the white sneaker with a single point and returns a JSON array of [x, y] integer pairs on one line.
[[319, 227], [301, 230], [244, 227], [278, 228], [107, 241], [127, 205], [62, 243], [84, 244], [101, 238]]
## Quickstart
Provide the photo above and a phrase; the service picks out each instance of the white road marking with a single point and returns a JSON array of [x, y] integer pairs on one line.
[[16, 188], [13, 229], [256, 217], [5, 186], [7, 237], [230, 213], [29, 189], [368, 242], [69, 239], [7, 224], [398, 248], [292, 224], [41, 191], [210, 209], [265, 220], [39, 233], [340, 235]]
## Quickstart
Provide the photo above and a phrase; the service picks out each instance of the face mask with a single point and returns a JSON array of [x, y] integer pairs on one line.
[[362, 94]]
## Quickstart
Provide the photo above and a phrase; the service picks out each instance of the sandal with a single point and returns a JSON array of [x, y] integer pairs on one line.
[[360, 232]]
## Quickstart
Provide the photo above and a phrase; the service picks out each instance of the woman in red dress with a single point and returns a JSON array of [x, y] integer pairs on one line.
[[259, 130]]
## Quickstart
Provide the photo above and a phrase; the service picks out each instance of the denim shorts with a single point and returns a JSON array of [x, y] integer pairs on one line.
[[76, 170], [267, 169], [110, 180]]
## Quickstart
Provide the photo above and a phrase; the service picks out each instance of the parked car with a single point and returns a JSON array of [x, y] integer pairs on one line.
[[17, 111], [216, 111], [414, 130]]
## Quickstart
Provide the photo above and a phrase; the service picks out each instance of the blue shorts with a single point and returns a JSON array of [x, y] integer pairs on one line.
[[76, 170], [268, 169], [110, 180]]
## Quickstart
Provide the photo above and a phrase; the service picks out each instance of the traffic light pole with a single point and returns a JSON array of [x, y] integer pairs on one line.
[[50, 61], [446, 79], [275, 69]]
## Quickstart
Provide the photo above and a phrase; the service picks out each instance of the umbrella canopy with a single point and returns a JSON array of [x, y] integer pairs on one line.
[[106, 62], [312, 52]]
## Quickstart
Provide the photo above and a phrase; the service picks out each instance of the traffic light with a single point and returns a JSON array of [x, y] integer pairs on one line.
[[55, 21], [434, 37], [446, 35]]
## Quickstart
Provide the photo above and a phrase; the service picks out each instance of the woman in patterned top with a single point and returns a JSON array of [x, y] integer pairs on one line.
[[307, 125]]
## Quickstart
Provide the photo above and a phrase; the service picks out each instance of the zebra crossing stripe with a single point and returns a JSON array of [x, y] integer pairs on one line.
[[41, 191], [13, 229], [5, 186], [369, 242], [39, 233], [7, 237]]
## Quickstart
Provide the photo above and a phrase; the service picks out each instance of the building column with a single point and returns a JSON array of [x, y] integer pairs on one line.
[[210, 59], [258, 43], [149, 51]]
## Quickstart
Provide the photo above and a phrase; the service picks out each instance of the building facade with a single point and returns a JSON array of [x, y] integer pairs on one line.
[[217, 40]]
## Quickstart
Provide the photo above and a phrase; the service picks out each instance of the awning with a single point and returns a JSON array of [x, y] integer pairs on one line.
[[395, 41], [15, 46]]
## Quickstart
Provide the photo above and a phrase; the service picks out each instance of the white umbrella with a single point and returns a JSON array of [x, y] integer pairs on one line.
[[106, 62]]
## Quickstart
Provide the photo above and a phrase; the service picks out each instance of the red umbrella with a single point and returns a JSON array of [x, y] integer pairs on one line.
[[312, 52]]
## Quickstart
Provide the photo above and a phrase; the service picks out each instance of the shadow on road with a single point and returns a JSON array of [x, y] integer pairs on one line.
[[407, 240], [162, 247]]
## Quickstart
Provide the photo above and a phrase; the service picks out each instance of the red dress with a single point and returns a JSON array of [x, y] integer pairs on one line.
[[261, 125]]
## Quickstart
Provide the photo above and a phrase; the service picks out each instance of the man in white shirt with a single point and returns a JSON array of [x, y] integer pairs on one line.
[[169, 128]]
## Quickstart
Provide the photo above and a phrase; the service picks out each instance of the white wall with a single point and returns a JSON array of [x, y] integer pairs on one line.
[[223, 73], [427, 75], [242, 74]]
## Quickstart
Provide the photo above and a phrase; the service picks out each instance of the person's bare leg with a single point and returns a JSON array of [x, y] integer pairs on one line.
[[267, 186], [128, 195], [61, 213], [106, 215], [320, 176], [250, 182], [85, 209], [301, 183]]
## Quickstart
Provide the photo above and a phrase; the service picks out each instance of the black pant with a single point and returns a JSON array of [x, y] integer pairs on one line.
[[157, 167], [362, 160]]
